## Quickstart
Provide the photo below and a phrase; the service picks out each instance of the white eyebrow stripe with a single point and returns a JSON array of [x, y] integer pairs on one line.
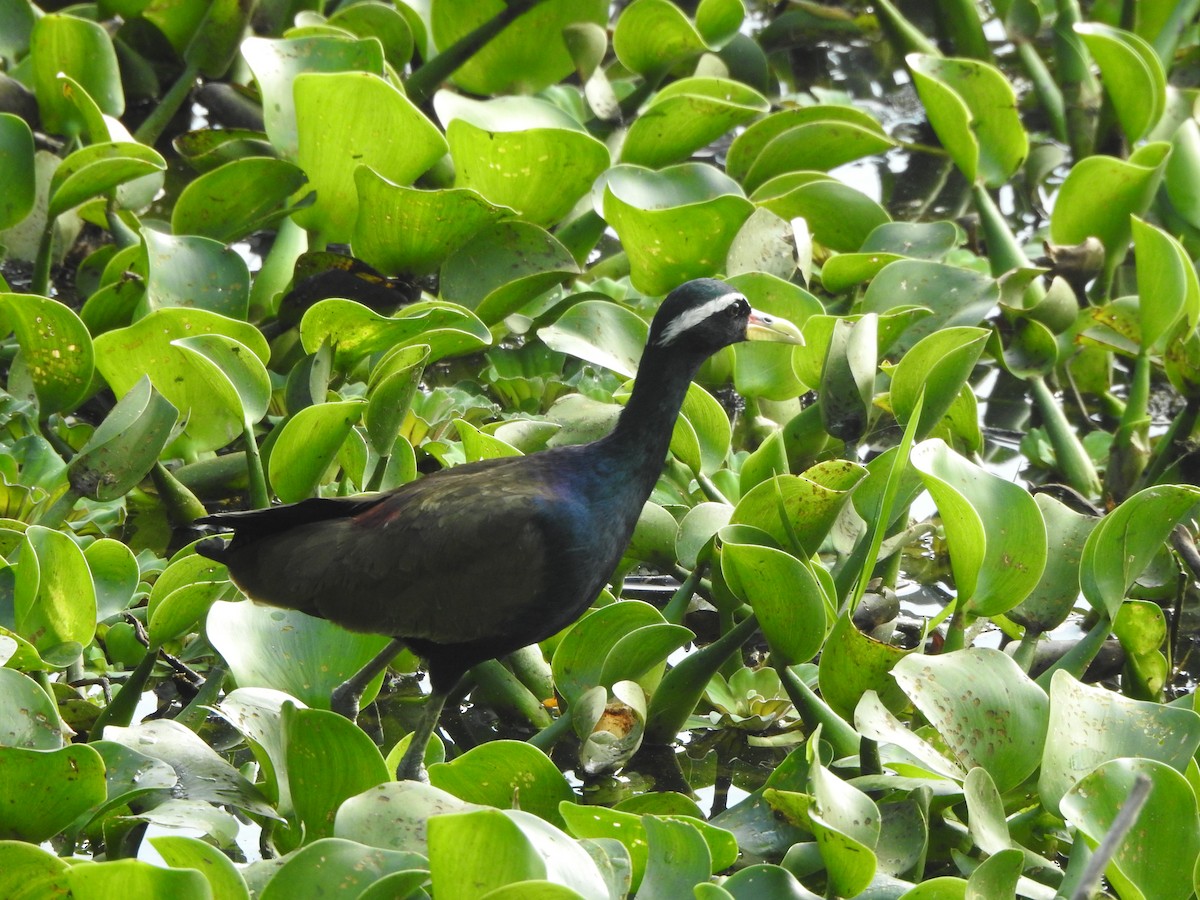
[[695, 316]]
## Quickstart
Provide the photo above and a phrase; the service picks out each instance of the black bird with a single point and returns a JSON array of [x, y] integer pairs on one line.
[[474, 562]]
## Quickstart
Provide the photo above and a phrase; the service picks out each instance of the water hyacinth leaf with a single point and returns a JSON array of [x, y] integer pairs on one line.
[[16, 170], [846, 823], [355, 331], [506, 775], [956, 296], [504, 266], [1182, 183], [985, 807], [333, 865], [227, 364], [183, 852], [328, 760], [700, 438], [853, 663], [55, 347], [653, 539], [936, 369], [473, 853], [995, 531], [389, 395], [409, 230], [115, 575], [697, 528], [846, 270], [237, 198], [28, 716], [757, 882], [677, 857], [54, 600], [387, 23], [1127, 539], [811, 501], [523, 153], [916, 240], [508, 64], [686, 115], [1168, 291], [97, 169], [46, 790], [973, 110], [848, 379], [348, 119], [785, 595], [308, 445], [1099, 195], [276, 63], [1141, 628], [147, 348], [653, 35], [1049, 603], [600, 332], [659, 216], [1144, 865], [300, 655], [818, 145], [1092, 726], [214, 43], [765, 243], [583, 654], [125, 446], [840, 217], [979, 691], [748, 146], [873, 720], [1131, 73], [83, 50], [27, 872], [996, 876]]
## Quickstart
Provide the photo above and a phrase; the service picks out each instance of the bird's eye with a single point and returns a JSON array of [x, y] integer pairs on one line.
[[739, 307]]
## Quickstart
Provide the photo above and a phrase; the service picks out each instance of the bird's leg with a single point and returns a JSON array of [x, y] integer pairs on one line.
[[347, 695], [412, 764]]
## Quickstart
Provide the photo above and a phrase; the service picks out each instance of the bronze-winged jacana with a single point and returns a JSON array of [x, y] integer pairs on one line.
[[479, 560]]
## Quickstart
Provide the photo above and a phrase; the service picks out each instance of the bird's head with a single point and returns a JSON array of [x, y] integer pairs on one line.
[[705, 315]]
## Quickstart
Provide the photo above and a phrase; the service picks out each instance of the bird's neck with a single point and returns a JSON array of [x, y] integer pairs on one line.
[[643, 432]]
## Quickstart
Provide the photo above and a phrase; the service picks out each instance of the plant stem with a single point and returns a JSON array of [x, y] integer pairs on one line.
[[1166, 447], [425, 80], [152, 128], [182, 506], [196, 712], [40, 282], [815, 711], [259, 498], [549, 736], [1073, 460], [1078, 658], [120, 711], [960, 20], [901, 33]]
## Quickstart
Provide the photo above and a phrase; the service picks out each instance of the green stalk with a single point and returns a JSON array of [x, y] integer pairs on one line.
[[425, 80], [1165, 449], [1181, 15], [57, 512], [504, 692], [182, 506], [150, 130], [960, 20], [1048, 93], [1080, 90], [677, 606], [1073, 460], [956, 630], [1004, 252], [259, 498], [40, 282], [1026, 649], [1127, 456], [1078, 658], [550, 735], [815, 711], [196, 712], [902, 34], [120, 711]]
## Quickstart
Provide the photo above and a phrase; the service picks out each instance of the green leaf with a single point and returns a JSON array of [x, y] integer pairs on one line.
[[16, 170], [410, 230], [182, 852], [28, 872], [956, 296], [117, 879], [83, 50], [308, 445], [1168, 292], [1051, 600], [289, 651], [811, 502], [840, 217], [936, 368], [995, 531], [853, 663], [973, 109], [54, 599], [239, 197], [348, 119], [233, 372], [675, 224], [1132, 76], [599, 332], [984, 707], [677, 857], [1182, 180], [332, 866], [55, 347], [28, 716], [785, 596], [96, 170], [1144, 865], [46, 790], [653, 35], [506, 775], [846, 824], [522, 153]]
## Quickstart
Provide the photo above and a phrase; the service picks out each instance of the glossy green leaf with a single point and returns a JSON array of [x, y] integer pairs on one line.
[[675, 224], [28, 716], [182, 596], [687, 115], [995, 531], [507, 64], [97, 169], [28, 872], [1181, 181], [504, 266], [846, 823], [653, 35], [125, 446], [981, 692], [233, 372], [600, 332], [1127, 539], [387, 23], [46, 790], [1168, 291], [839, 216], [83, 50], [348, 119], [936, 369], [54, 600], [239, 197], [748, 146], [1145, 864], [308, 446], [182, 852], [16, 170], [1051, 600], [853, 663], [522, 153], [332, 866], [785, 595], [957, 296], [811, 501], [1132, 76], [55, 347], [814, 144], [276, 63], [393, 383], [973, 109], [677, 857], [410, 230], [506, 774], [132, 878], [289, 651], [997, 876]]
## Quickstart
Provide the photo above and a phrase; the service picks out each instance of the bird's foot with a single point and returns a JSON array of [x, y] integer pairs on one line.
[[345, 700]]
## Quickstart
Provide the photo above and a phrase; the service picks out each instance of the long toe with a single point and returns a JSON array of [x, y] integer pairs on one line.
[[345, 700]]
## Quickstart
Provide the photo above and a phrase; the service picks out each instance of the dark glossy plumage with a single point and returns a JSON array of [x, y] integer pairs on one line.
[[474, 562]]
